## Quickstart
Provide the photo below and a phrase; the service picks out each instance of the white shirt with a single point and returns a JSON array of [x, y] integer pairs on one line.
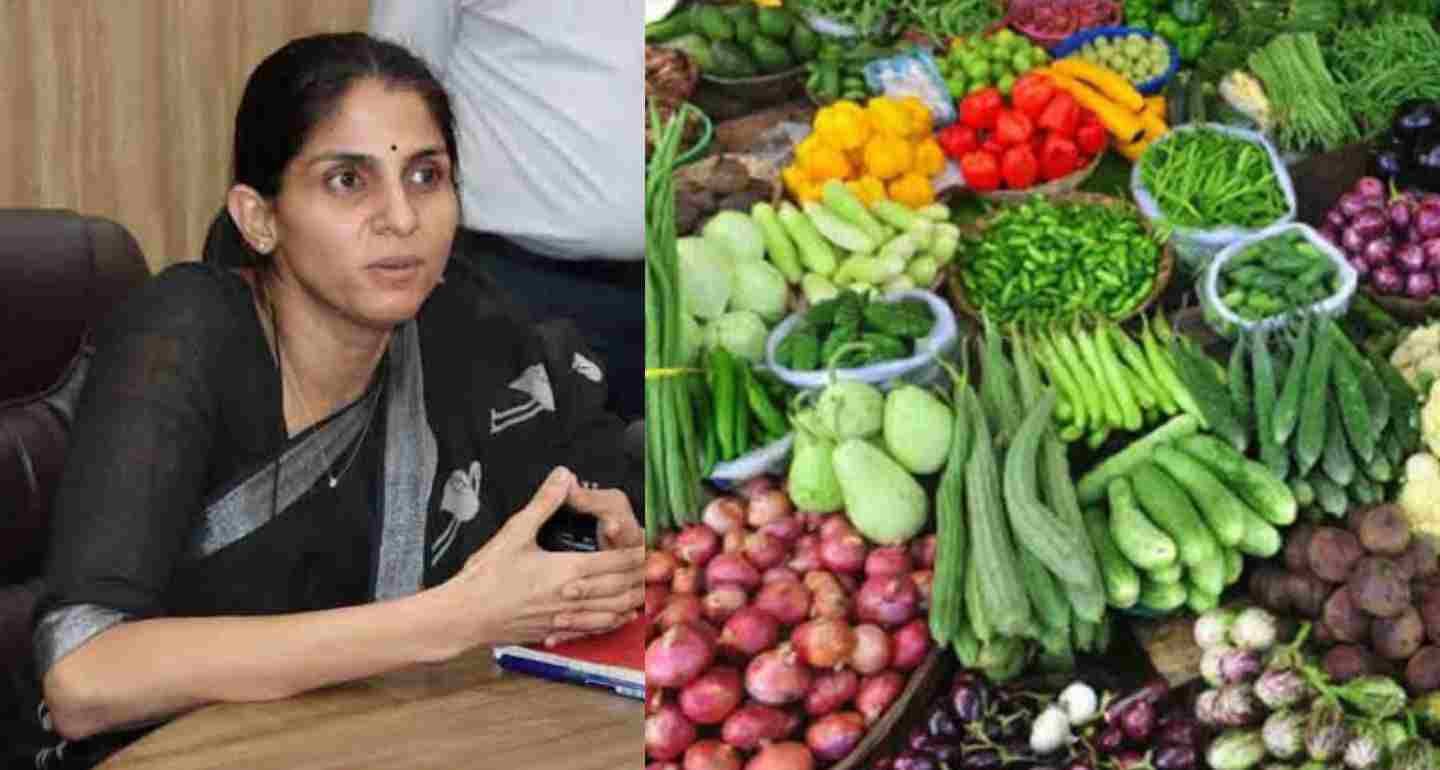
[[549, 100]]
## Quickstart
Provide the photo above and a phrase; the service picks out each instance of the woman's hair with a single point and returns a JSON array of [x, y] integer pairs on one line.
[[299, 86]]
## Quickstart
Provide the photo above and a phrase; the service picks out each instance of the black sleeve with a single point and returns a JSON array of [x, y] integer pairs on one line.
[[136, 470]]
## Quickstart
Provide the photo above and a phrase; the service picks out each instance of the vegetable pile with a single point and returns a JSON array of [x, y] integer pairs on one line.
[[776, 635], [827, 334], [1135, 121], [884, 149], [1392, 242], [1277, 276], [1407, 157], [838, 72], [1383, 65], [740, 408], [1311, 108], [979, 62], [1189, 25], [1135, 56], [1041, 135], [737, 41], [1205, 179], [1369, 589], [1054, 262], [1047, 23]]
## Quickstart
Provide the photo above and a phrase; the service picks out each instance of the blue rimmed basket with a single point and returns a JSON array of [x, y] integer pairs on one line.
[[1079, 40]]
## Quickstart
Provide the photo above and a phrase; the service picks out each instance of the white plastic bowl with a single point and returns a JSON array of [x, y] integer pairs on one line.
[[1221, 317]]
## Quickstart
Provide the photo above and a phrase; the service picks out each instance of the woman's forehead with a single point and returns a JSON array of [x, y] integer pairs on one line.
[[377, 120]]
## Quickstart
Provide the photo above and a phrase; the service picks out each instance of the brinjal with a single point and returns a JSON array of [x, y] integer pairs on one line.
[[1425, 165], [1416, 121]]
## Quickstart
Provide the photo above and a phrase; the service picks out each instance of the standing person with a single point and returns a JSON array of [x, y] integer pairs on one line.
[[549, 108], [328, 451]]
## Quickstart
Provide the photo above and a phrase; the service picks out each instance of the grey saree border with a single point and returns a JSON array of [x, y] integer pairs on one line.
[[63, 630], [411, 458]]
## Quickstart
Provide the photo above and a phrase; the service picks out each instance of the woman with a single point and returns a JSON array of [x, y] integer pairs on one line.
[[335, 461]]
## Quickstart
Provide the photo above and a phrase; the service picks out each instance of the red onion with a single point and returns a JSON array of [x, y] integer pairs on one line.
[[656, 597], [877, 692], [836, 525], [734, 540], [677, 657], [712, 696], [768, 507], [764, 550], [659, 567], [887, 561], [722, 602], [696, 544], [680, 608], [1432, 253], [1387, 280], [1351, 204], [824, 642], [923, 551], [1399, 215], [1410, 258], [1362, 268], [912, 644], [1370, 187], [753, 723], [1352, 241], [1370, 223], [787, 529], [818, 581], [872, 650], [1430, 200], [810, 521], [1419, 286], [1335, 219], [831, 604], [924, 581], [731, 568], [807, 554], [775, 574], [757, 486], [686, 580], [1331, 233], [654, 699], [749, 632], [782, 756], [776, 677], [724, 515], [787, 601], [663, 766], [711, 754], [1379, 251], [667, 542], [844, 554], [833, 737], [831, 691], [888, 601], [848, 583], [668, 733], [1427, 222]]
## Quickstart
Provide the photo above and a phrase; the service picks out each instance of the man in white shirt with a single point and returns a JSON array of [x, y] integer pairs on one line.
[[548, 98]]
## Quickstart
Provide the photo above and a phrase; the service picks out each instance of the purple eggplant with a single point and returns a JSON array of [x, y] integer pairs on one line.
[[1419, 286], [918, 738], [1410, 258], [1379, 252], [914, 760], [968, 701], [1282, 688], [978, 760], [1138, 721], [1181, 732], [941, 723], [1176, 758], [1237, 706], [1387, 280], [1111, 739], [1152, 692]]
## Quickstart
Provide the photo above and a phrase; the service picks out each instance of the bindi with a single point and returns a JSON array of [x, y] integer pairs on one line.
[[392, 148]]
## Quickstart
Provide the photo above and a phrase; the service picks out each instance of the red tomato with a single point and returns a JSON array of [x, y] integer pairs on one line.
[[982, 172], [1019, 167]]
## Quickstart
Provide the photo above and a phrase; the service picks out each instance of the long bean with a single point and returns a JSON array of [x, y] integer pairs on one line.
[[1384, 64]]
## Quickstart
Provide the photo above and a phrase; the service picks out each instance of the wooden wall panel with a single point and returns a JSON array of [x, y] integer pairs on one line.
[[124, 108]]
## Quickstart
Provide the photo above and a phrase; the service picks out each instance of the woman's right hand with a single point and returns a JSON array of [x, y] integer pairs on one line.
[[513, 592]]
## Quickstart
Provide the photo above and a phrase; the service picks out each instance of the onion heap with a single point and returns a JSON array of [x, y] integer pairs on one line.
[[1394, 243]]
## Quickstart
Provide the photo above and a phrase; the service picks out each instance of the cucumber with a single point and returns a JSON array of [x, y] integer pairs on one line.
[[1162, 597], [1261, 540], [1329, 495], [1143, 543], [1093, 486], [1260, 488], [1234, 565], [1122, 581], [1209, 576], [1199, 601], [1222, 510], [1171, 574], [1165, 502]]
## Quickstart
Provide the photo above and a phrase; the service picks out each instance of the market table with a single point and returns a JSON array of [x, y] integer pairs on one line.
[[465, 713]]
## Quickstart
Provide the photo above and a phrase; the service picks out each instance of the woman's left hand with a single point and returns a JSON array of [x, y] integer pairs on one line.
[[617, 529]]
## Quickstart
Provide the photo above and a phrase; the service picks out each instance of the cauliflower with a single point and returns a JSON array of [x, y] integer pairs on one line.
[[1243, 92], [1418, 356], [1420, 497], [1430, 419]]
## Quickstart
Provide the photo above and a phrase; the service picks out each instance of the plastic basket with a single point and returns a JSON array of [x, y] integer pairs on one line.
[[1222, 320], [1195, 247], [921, 368], [771, 458], [1150, 87]]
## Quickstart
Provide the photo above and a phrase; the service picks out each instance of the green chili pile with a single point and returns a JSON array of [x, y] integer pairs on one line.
[[1044, 262], [1206, 179], [672, 478]]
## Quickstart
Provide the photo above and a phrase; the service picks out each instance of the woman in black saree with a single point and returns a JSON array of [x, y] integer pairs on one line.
[[325, 452]]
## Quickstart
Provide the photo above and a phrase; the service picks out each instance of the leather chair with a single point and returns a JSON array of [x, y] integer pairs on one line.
[[60, 274]]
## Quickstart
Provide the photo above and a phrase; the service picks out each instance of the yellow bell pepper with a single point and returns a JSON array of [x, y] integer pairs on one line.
[[888, 156], [806, 148], [921, 121], [799, 184], [929, 158], [868, 189], [888, 117], [826, 162], [912, 189], [841, 128]]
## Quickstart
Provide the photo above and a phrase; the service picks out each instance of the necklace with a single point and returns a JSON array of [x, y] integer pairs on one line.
[[334, 478]]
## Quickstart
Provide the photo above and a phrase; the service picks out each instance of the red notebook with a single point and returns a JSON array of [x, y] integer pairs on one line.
[[614, 661]]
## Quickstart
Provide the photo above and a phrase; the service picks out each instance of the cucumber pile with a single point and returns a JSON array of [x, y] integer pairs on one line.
[[1277, 276], [1336, 423], [1184, 508], [737, 41]]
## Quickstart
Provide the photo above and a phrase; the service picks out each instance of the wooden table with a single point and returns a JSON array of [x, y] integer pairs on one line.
[[468, 713]]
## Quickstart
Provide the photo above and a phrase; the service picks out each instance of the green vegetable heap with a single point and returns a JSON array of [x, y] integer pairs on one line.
[[1042, 262], [1277, 275], [1207, 179], [861, 332], [1135, 56], [1189, 24], [737, 41], [996, 60]]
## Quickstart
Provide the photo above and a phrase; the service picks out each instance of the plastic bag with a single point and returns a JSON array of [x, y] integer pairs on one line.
[[772, 458], [1194, 247], [920, 369], [1225, 322], [913, 73]]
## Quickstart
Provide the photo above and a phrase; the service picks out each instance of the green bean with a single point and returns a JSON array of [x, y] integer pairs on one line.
[[1205, 179]]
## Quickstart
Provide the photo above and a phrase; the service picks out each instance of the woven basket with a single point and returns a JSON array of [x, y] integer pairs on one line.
[[1062, 186], [1164, 271]]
